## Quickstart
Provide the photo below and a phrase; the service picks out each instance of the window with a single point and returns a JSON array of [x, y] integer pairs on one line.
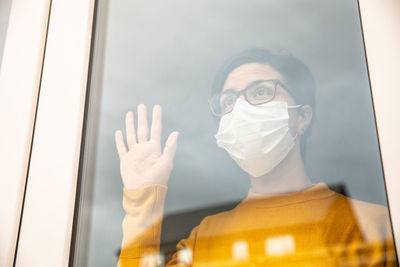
[[169, 54]]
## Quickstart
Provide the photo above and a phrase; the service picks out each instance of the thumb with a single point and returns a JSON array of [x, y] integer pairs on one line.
[[170, 145]]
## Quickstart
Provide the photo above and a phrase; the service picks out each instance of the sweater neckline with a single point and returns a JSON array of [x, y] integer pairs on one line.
[[316, 191]]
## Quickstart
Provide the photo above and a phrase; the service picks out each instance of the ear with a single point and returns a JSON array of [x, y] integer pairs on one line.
[[304, 119]]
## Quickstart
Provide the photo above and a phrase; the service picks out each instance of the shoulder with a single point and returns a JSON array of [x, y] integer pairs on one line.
[[373, 219], [217, 223], [217, 218], [367, 209]]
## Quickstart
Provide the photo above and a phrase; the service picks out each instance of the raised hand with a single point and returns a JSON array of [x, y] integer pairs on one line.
[[144, 163]]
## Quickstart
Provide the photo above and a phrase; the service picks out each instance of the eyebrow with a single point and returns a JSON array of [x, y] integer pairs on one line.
[[249, 85]]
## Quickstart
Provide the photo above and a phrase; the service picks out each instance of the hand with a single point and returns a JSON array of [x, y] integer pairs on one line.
[[143, 163]]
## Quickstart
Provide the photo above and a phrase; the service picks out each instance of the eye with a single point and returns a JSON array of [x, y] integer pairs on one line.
[[262, 92], [227, 101]]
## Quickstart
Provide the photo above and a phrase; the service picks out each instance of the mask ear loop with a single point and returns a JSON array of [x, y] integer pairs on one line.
[[296, 106]]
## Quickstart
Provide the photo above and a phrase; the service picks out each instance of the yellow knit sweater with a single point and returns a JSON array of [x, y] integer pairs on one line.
[[315, 227]]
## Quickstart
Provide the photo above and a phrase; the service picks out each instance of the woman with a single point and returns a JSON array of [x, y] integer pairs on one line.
[[265, 104]]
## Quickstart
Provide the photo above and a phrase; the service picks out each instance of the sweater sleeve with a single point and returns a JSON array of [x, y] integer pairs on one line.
[[141, 229], [141, 226]]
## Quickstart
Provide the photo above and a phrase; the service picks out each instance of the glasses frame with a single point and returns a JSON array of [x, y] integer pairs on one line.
[[243, 91]]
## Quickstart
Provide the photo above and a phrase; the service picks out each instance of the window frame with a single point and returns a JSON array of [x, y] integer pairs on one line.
[[23, 56], [56, 188], [379, 20], [48, 210]]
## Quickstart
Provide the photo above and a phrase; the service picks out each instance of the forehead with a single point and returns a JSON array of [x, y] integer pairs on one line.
[[243, 75]]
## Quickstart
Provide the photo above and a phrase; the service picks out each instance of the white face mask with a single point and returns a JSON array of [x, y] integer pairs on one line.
[[256, 137]]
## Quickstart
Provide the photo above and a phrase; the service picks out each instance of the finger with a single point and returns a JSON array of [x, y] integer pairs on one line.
[[143, 129], [119, 141], [156, 124], [130, 129], [170, 145]]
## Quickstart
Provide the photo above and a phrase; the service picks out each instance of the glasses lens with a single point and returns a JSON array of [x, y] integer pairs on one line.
[[261, 93], [223, 103], [226, 102]]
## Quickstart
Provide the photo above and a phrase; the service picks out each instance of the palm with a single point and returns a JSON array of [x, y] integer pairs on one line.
[[144, 163]]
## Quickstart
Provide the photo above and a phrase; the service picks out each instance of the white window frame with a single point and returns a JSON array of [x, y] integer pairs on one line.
[[380, 22], [46, 228], [46, 225], [20, 75]]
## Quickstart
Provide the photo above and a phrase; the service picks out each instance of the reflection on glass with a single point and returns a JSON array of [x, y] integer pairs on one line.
[[185, 256], [286, 219], [240, 250], [277, 166], [279, 246], [149, 260]]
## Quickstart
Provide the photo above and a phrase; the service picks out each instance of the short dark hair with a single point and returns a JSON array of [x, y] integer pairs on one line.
[[299, 79]]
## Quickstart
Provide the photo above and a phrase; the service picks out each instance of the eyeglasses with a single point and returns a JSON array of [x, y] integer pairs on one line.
[[258, 92]]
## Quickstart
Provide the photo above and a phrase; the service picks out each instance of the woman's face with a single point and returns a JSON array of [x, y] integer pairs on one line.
[[244, 75]]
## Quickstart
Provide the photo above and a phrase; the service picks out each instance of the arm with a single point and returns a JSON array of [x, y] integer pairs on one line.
[[142, 224], [145, 171], [142, 230]]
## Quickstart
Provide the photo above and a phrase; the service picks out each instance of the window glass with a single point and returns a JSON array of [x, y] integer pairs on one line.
[[5, 6], [277, 160]]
